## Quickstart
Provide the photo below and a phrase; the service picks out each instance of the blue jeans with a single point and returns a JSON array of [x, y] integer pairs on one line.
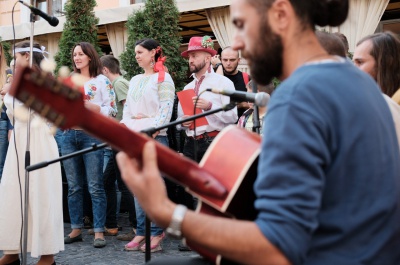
[[140, 214], [107, 155], [3, 143], [90, 167]]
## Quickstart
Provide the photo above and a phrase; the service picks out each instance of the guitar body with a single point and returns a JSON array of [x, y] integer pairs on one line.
[[232, 158], [223, 181]]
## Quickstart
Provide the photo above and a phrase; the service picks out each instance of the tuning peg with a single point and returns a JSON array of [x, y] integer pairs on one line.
[[64, 71], [48, 65], [79, 80], [53, 130]]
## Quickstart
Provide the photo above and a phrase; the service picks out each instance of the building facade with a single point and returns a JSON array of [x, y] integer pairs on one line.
[[198, 17]]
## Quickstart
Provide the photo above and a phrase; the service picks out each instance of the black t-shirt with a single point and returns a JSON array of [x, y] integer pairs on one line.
[[239, 84]]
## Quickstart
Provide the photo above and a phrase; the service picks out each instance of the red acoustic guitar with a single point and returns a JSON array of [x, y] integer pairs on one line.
[[223, 181]]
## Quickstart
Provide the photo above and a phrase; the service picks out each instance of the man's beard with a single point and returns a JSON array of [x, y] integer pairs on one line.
[[197, 68], [266, 60]]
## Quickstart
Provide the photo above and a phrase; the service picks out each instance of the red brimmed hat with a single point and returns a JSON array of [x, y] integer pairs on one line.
[[202, 44]]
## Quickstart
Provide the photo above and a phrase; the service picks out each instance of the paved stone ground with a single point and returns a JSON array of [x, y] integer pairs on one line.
[[82, 253]]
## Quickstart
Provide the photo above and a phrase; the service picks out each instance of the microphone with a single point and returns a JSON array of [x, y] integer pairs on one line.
[[259, 99], [53, 21]]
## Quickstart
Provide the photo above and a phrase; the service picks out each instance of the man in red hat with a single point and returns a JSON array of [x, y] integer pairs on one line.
[[200, 52]]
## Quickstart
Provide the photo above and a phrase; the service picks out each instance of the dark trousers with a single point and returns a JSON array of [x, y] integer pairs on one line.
[[126, 197], [195, 150], [111, 175], [111, 192]]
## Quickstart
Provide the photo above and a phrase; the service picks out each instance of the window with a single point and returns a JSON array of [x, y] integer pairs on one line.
[[137, 1], [51, 7]]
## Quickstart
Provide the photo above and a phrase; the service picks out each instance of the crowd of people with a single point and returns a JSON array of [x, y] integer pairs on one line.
[[328, 183]]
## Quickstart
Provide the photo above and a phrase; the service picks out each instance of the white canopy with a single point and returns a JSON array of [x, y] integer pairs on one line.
[[106, 16], [363, 19]]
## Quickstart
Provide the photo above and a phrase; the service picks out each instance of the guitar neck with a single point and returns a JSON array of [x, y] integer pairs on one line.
[[177, 167], [61, 102]]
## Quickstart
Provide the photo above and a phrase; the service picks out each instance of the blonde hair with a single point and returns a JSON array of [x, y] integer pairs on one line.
[[3, 66]]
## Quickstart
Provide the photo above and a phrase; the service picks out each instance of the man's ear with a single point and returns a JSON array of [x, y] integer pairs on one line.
[[280, 15], [207, 57]]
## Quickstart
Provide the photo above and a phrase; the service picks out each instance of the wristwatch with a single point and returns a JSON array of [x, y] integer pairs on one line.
[[174, 228], [217, 65]]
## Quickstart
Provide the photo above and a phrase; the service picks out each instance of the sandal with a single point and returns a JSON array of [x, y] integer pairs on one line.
[[134, 246], [154, 247]]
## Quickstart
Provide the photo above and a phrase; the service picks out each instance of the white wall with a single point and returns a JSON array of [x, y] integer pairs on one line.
[[25, 14], [124, 2]]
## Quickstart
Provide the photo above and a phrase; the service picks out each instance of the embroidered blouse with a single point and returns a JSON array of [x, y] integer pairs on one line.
[[99, 91], [148, 103]]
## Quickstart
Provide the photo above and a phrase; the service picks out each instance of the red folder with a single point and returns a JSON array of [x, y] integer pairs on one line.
[[185, 98]]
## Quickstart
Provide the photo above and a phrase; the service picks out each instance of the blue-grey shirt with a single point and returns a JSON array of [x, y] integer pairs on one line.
[[328, 183]]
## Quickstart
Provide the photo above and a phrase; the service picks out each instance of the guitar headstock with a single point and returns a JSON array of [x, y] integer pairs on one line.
[[55, 100]]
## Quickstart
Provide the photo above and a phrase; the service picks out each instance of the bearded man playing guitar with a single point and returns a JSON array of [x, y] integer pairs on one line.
[[328, 185]]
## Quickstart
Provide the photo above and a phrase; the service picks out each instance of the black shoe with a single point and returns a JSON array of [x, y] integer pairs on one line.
[[15, 262], [183, 247], [69, 240]]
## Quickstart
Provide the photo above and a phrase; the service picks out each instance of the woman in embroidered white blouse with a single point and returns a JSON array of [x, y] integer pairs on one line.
[[149, 103]]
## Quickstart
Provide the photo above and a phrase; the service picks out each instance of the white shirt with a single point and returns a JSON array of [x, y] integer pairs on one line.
[[149, 104], [219, 120]]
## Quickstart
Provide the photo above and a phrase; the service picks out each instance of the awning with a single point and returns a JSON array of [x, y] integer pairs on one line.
[[106, 16]]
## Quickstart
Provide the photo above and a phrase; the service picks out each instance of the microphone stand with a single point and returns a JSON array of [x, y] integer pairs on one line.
[[256, 113], [149, 132], [27, 157]]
